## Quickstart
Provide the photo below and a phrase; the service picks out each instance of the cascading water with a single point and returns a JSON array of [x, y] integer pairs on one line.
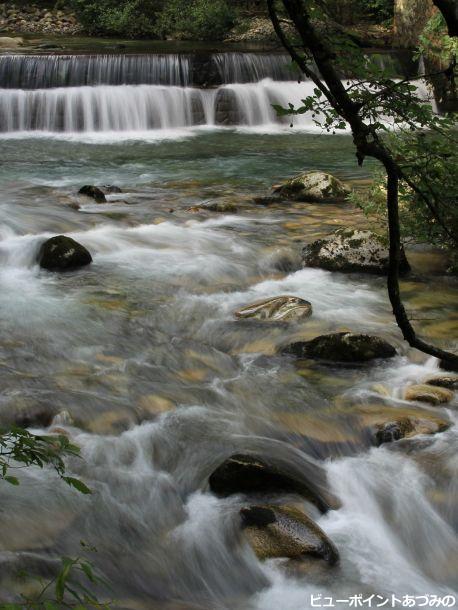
[[140, 93]]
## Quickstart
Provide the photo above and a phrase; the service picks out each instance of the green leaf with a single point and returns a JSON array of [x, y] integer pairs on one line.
[[12, 480], [78, 485]]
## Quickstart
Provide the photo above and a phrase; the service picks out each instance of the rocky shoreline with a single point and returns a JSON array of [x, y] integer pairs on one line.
[[38, 20]]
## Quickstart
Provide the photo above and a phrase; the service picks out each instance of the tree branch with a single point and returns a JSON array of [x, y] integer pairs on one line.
[[367, 143]]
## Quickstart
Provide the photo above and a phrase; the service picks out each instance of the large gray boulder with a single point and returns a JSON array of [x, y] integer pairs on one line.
[[313, 186], [62, 253], [277, 309], [342, 347], [285, 531], [351, 251]]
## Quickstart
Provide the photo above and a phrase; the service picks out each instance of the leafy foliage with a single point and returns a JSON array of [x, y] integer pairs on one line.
[[20, 448], [129, 18], [430, 161], [190, 19], [69, 589], [196, 19]]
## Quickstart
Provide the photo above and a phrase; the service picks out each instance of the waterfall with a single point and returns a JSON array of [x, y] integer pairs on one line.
[[145, 107], [253, 67], [49, 71], [139, 93]]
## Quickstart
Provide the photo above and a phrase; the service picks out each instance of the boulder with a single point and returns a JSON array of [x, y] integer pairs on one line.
[[351, 251], [450, 382], [343, 348], [285, 531], [62, 253], [423, 392], [407, 427], [277, 309], [250, 474], [93, 192], [314, 186]]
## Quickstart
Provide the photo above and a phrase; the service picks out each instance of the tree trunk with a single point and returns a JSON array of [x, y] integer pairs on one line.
[[410, 18]]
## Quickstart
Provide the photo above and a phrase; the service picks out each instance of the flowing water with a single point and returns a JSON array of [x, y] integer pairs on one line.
[[140, 360]]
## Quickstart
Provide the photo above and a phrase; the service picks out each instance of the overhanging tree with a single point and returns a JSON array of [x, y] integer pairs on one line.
[[365, 103]]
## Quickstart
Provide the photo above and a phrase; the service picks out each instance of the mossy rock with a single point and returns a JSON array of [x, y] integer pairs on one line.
[[313, 186], [351, 251]]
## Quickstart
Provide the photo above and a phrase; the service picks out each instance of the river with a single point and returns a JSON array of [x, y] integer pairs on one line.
[[139, 359]]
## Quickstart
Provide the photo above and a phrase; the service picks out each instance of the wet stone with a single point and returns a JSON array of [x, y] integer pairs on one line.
[[342, 348], [285, 531], [62, 253], [277, 309], [434, 395], [250, 474]]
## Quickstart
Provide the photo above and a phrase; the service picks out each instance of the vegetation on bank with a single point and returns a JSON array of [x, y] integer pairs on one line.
[[192, 19]]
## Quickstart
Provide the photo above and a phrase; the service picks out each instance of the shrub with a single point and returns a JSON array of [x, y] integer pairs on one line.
[[196, 19], [128, 18]]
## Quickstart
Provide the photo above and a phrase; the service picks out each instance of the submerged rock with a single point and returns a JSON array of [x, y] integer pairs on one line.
[[285, 531], [342, 347], [314, 186], [93, 192], [450, 382], [277, 309], [407, 427], [351, 251], [422, 392], [250, 474], [222, 207], [62, 253]]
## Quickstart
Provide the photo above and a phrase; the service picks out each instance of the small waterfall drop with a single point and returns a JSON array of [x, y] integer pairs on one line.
[[150, 92]]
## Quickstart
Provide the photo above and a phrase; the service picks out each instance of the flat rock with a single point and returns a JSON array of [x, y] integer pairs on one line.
[[285, 531], [407, 427], [277, 309], [423, 392], [351, 251], [450, 382], [250, 474], [313, 186], [343, 348], [62, 253]]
